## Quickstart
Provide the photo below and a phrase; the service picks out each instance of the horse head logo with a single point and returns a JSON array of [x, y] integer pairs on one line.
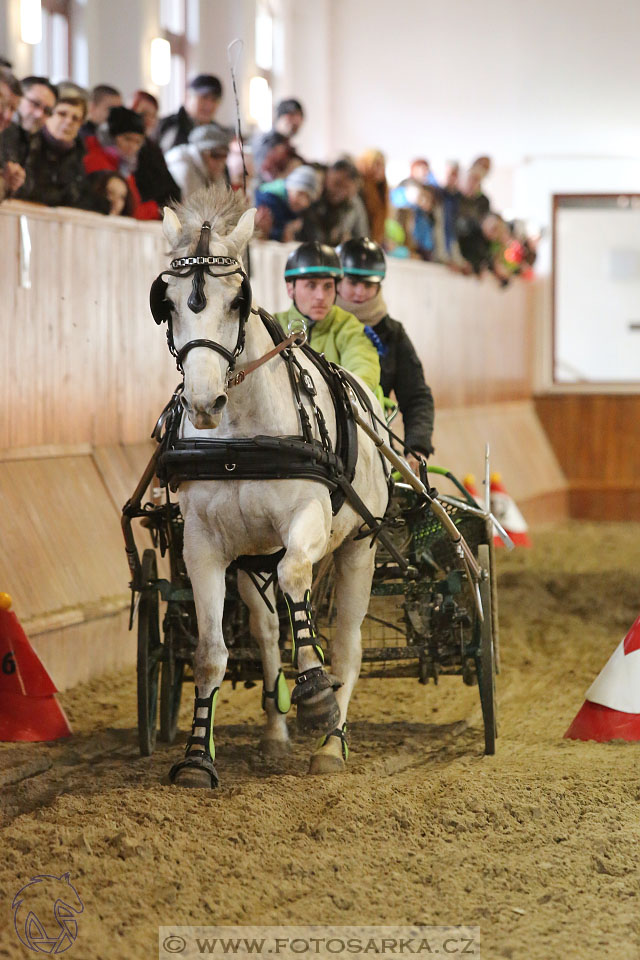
[[56, 930]]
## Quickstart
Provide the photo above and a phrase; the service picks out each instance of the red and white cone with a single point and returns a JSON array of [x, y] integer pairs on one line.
[[611, 710], [28, 707], [504, 509], [469, 483]]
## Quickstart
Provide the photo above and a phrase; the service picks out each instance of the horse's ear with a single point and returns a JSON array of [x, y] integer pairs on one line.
[[243, 231], [171, 227]]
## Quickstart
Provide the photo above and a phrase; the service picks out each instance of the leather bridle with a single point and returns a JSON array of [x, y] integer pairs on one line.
[[197, 266]]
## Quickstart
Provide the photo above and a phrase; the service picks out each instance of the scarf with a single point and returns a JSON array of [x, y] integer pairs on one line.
[[59, 147], [370, 312]]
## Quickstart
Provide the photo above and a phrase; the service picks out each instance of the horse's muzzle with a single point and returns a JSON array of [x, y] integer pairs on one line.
[[205, 417]]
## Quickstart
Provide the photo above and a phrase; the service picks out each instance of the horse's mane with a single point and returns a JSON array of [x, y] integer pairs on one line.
[[220, 205]]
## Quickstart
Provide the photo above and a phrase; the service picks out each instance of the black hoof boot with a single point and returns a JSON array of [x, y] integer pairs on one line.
[[314, 696], [197, 769]]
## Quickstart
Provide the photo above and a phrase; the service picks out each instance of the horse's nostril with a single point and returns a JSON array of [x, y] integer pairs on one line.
[[220, 403]]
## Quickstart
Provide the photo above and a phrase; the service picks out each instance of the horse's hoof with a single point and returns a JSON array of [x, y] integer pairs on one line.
[[319, 714], [194, 773], [274, 748], [326, 763]]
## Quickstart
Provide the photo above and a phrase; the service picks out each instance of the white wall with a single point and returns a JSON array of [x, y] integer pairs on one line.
[[546, 88]]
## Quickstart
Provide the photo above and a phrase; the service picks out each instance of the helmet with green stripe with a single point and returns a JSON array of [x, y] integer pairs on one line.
[[313, 260], [363, 259]]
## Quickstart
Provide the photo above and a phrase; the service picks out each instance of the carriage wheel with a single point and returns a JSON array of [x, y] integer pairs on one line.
[[170, 690], [149, 654], [485, 659]]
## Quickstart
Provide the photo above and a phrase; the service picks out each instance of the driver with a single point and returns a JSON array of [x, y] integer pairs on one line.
[[311, 273], [360, 292]]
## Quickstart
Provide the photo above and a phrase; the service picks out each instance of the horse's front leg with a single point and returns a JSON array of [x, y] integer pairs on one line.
[[354, 563], [207, 574], [314, 694], [265, 628]]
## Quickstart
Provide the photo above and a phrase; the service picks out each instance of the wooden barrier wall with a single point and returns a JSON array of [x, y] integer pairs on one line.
[[84, 373]]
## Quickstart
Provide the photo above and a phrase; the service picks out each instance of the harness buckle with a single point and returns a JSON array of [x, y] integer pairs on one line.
[[230, 467], [297, 326]]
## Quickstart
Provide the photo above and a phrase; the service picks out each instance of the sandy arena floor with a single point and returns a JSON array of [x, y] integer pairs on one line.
[[537, 845]]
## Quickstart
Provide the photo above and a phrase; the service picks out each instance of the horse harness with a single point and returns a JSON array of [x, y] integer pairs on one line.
[[261, 457]]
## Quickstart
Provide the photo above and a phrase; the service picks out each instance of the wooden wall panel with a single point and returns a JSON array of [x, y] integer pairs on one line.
[[596, 438], [519, 450], [61, 550]]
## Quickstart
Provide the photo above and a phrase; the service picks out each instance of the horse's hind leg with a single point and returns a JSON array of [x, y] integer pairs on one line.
[[305, 541], [354, 562], [265, 628], [210, 662]]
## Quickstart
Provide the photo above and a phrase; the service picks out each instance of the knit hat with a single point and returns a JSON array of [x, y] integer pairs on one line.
[[123, 120], [306, 179], [210, 136]]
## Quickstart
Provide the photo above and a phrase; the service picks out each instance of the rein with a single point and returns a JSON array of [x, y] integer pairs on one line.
[[295, 340]]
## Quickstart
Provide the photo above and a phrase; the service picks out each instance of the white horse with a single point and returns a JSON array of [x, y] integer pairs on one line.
[[226, 519]]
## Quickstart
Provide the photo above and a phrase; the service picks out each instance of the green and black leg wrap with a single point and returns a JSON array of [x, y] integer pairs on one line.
[[341, 733], [200, 751], [280, 694], [301, 620]]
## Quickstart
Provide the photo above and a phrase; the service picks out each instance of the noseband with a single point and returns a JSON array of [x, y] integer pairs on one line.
[[200, 263]]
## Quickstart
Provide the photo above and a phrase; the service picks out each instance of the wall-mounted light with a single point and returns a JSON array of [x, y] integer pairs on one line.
[[260, 102], [160, 61], [31, 21]]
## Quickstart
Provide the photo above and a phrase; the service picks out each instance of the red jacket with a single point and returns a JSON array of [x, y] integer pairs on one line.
[[98, 157]]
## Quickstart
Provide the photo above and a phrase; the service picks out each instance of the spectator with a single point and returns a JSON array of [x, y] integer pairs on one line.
[[271, 157], [420, 170], [153, 180], [273, 150], [148, 107], [237, 161], [450, 196], [203, 99], [11, 173], [360, 293], [54, 172], [101, 99], [36, 104], [415, 206], [375, 192], [473, 203], [107, 192], [280, 203], [116, 147], [202, 161], [334, 217]]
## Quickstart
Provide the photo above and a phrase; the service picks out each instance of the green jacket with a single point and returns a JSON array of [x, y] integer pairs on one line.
[[341, 337]]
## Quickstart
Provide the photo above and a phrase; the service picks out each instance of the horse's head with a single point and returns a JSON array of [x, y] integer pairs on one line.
[[206, 300]]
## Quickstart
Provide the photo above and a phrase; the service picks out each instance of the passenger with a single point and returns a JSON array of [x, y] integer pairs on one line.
[[312, 272], [360, 292]]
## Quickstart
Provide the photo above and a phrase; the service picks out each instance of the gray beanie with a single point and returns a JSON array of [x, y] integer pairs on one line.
[[305, 179], [210, 136]]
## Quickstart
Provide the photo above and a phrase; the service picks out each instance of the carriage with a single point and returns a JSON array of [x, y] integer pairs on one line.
[[431, 615]]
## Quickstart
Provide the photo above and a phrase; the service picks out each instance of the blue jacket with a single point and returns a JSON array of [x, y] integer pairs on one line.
[[274, 196]]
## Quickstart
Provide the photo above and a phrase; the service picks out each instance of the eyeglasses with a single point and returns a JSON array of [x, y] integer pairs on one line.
[[41, 106]]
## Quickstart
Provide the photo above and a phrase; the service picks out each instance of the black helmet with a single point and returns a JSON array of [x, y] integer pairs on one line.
[[313, 259], [363, 258]]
